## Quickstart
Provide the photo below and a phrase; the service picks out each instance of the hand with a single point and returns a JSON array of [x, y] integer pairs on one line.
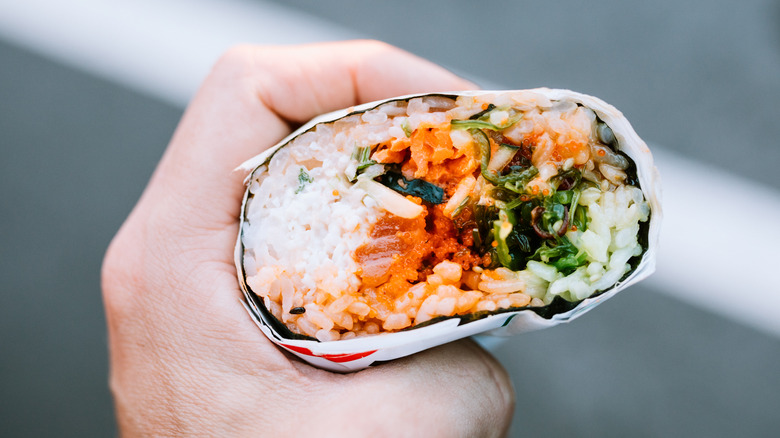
[[186, 359]]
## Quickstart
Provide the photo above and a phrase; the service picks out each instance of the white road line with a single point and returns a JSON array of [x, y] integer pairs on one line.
[[164, 47], [718, 244]]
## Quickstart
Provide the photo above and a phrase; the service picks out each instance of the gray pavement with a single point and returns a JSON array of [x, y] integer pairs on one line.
[[699, 77], [76, 153]]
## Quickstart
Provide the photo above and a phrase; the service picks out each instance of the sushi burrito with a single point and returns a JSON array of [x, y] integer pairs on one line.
[[385, 229]]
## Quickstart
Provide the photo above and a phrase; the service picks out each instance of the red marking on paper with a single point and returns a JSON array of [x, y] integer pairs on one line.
[[339, 358]]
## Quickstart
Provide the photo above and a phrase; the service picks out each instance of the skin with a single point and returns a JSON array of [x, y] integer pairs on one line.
[[185, 357]]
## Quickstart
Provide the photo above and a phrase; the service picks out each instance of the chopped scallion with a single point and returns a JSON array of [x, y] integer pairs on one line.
[[303, 179]]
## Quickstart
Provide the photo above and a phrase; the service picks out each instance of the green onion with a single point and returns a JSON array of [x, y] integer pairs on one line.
[[460, 207], [477, 237], [575, 199], [568, 264], [361, 154], [406, 128], [303, 179], [364, 165], [580, 219], [501, 230], [502, 249], [363, 157]]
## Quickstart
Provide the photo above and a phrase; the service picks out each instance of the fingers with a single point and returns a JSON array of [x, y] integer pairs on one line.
[[320, 78], [456, 389], [255, 94]]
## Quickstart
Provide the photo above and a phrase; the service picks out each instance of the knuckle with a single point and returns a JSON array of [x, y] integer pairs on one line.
[[121, 278], [237, 57], [375, 46], [235, 60]]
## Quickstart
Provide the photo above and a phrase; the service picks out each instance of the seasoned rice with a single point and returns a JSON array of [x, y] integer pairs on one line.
[[333, 255]]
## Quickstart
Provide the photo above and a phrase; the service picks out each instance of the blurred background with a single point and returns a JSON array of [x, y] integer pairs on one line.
[[91, 91]]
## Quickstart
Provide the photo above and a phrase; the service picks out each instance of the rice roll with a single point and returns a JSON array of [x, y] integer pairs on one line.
[[403, 213]]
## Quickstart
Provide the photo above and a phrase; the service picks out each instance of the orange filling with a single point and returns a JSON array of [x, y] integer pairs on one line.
[[430, 155], [549, 146], [401, 252]]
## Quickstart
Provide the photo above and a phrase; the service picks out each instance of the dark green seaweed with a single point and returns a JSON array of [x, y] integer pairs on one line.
[[424, 190]]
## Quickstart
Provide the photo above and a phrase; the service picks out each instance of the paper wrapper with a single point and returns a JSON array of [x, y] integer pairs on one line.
[[358, 353]]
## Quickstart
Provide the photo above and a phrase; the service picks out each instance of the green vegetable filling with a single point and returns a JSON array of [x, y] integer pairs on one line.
[[363, 157], [520, 219], [480, 120], [511, 232], [406, 128], [303, 179]]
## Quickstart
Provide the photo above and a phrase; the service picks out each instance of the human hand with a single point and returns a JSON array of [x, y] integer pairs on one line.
[[186, 358]]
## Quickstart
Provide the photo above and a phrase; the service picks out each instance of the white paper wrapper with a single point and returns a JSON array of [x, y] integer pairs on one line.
[[358, 353]]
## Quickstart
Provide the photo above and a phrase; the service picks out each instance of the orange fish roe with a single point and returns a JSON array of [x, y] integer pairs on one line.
[[558, 148], [578, 150], [403, 251]]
